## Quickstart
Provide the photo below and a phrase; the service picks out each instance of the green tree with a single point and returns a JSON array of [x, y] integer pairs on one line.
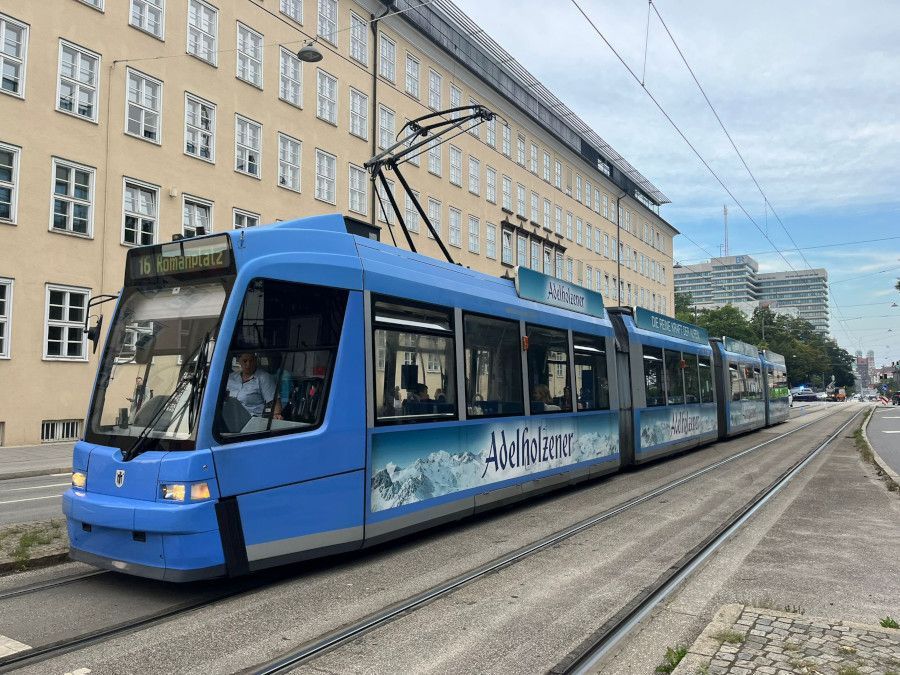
[[726, 320], [683, 309]]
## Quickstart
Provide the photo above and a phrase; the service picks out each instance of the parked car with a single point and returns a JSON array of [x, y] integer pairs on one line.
[[895, 399]]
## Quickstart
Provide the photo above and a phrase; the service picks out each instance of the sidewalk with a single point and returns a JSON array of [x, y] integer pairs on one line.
[[24, 461]]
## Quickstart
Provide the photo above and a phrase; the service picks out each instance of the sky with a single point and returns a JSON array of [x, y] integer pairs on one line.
[[809, 91]]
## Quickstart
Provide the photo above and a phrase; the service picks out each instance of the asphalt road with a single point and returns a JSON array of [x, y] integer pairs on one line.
[[884, 435], [24, 500]]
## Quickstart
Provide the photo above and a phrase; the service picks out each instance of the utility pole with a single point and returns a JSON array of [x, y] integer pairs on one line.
[[725, 211]]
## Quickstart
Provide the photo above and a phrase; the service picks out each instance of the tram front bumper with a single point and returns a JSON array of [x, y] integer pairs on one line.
[[173, 542]]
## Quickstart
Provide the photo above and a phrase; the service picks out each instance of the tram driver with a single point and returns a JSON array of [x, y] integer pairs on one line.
[[253, 387]]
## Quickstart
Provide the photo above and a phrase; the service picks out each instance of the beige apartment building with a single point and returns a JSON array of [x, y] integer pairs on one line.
[[125, 122]]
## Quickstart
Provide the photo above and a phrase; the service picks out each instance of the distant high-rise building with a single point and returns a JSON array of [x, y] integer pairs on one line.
[[733, 280]]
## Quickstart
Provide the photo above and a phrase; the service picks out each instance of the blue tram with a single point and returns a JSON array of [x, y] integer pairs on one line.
[[275, 394]]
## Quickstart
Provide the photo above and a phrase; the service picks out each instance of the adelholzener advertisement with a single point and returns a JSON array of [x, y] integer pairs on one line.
[[741, 413], [669, 424], [416, 465]]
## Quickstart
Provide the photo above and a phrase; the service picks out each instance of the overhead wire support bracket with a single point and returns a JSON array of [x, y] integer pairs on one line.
[[422, 131]]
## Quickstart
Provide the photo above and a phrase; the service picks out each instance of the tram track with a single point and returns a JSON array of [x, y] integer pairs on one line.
[[336, 638], [343, 636]]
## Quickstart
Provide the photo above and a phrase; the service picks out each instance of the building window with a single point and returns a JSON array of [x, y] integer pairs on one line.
[[328, 20], [242, 219], [455, 166], [289, 162], [434, 157], [455, 99], [474, 176], [78, 81], [358, 190], [507, 193], [492, 132], [520, 150], [578, 187], [490, 241], [579, 228], [535, 207], [546, 167], [434, 90], [199, 128], [569, 219], [64, 325], [359, 114], [148, 16], [412, 75], [73, 198], [548, 207], [203, 30], [521, 251], [474, 235], [55, 431], [247, 140], [548, 262], [290, 83], [557, 179], [534, 159], [386, 127], [197, 213], [570, 270], [387, 58], [140, 211], [520, 200], [386, 209], [326, 173], [359, 39], [589, 277], [144, 105], [9, 181], [14, 41], [96, 4], [326, 97], [6, 289], [411, 214], [588, 190], [507, 133], [557, 220], [434, 215], [293, 9], [535, 255], [506, 256], [455, 227], [491, 185], [558, 265], [588, 236], [473, 129]]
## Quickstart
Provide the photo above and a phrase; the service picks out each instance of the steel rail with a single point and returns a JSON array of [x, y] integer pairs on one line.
[[337, 638], [595, 648], [50, 583]]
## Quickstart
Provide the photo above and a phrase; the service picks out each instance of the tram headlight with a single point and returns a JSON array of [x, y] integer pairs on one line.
[[173, 492], [180, 492], [79, 479], [199, 492]]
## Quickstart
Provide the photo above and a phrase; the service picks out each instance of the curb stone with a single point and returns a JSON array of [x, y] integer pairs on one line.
[[12, 566], [888, 473], [701, 652], [31, 473]]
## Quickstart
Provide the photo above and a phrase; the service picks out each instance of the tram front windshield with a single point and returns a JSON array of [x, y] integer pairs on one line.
[[154, 370]]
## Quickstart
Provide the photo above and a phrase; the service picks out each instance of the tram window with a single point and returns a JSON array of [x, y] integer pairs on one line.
[[753, 377], [737, 382], [415, 377], [548, 370], [674, 379], [281, 359], [493, 367], [653, 376], [591, 380], [777, 384], [691, 379], [706, 380]]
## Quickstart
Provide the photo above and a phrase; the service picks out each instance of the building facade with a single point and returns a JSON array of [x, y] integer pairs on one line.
[[126, 122], [736, 280]]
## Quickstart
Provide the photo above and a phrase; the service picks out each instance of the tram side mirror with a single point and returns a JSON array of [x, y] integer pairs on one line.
[[93, 333], [143, 348]]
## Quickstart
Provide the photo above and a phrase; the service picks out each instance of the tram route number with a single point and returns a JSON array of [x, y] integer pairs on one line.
[[162, 262]]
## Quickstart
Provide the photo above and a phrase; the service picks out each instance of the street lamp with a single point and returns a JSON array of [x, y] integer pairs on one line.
[[309, 53]]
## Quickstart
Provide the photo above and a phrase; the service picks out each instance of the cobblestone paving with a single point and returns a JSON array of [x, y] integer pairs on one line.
[[777, 643]]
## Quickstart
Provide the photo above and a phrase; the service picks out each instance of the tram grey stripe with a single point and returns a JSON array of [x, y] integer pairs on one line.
[[305, 542], [411, 519]]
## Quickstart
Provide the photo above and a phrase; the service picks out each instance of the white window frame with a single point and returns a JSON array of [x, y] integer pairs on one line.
[[6, 319], [332, 178], [293, 9], [546, 174], [65, 324], [474, 175], [249, 57], [22, 61], [387, 58], [287, 164], [490, 241], [506, 193], [238, 146], [386, 213], [144, 109], [142, 185], [491, 133], [328, 20], [473, 128], [200, 202], [81, 54], [506, 247], [435, 158], [411, 214], [455, 99], [289, 80], [413, 75], [362, 114], [490, 184], [363, 194], [159, 6], [386, 132], [13, 185], [94, 4], [456, 166], [474, 235], [359, 39], [435, 89], [193, 98], [235, 212], [74, 166], [434, 215], [213, 59], [454, 231], [330, 104], [507, 140]]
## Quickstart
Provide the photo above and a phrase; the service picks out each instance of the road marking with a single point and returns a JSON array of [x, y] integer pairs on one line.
[[33, 499], [38, 487], [884, 431], [60, 474], [80, 671], [889, 417], [8, 646]]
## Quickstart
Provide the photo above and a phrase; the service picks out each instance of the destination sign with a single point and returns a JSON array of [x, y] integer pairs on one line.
[[187, 256], [738, 347], [659, 323], [549, 290]]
